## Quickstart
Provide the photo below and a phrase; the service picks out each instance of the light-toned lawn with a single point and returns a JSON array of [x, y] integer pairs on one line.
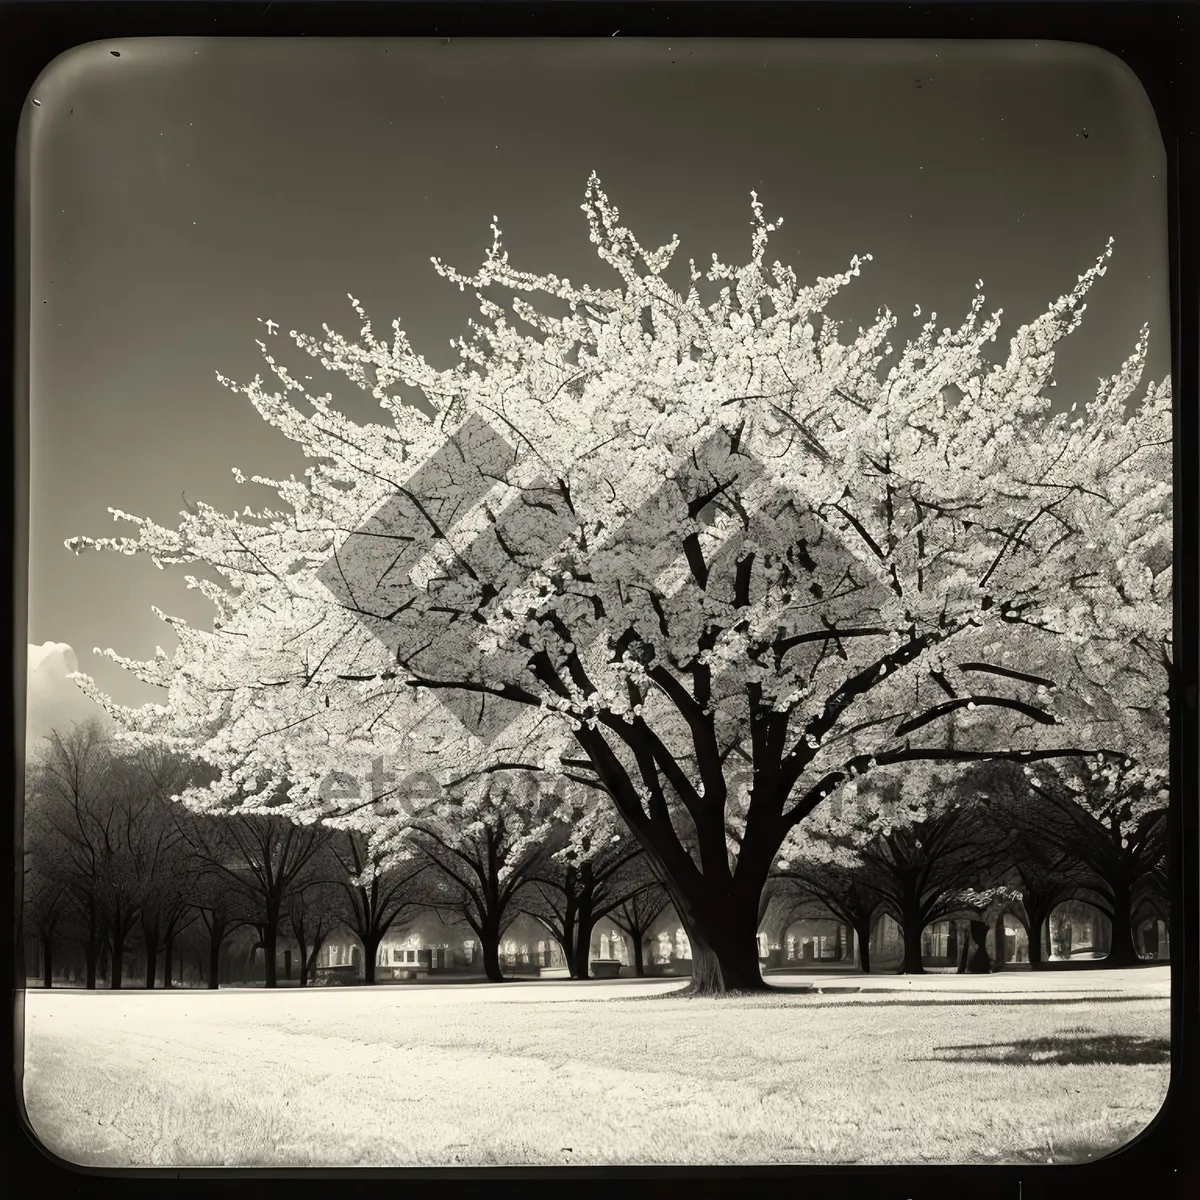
[[600, 1073]]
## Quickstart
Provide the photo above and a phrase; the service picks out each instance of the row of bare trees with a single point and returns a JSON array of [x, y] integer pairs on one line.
[[112, 862]]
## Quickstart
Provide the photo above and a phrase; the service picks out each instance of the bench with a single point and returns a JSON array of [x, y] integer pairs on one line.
[[412, 972], [336, 976]]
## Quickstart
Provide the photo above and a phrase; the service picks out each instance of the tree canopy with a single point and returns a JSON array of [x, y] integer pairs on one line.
[[701, 551]]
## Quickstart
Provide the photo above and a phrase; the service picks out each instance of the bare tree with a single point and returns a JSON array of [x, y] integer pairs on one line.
[[483, 852], [264, 858], [70, 815], [160, 858], [919, 871], [1113, 825], [377, 896], [573, 887], [315, 908], [223, 902], [45, 902], [1042, 878], [845, 891], [636, 914]]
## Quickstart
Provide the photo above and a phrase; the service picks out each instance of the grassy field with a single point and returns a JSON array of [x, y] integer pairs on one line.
[[941, 1070]]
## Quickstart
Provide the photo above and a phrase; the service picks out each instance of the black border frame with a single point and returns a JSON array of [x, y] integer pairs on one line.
[[1160, 42]]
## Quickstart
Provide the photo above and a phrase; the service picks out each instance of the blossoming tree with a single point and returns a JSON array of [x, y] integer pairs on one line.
[[688, 546]]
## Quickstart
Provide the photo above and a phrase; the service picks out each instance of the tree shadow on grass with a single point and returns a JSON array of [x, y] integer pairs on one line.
[[1114, 1049]]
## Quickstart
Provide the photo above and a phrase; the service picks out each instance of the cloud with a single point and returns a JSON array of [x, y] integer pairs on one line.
[[52, 701]]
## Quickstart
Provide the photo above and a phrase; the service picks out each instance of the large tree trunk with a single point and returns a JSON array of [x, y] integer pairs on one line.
[[119, 935], [308, 968], [370, 941], [639, 961], [584, 924], [724, 944], [168, 949], [47, 961], [569, 927], [1122, 950], [488, 929], [1037, 922], [912, 927], [573, 962], [152, 961], [730, 967], [862, 935], [489, 944], [151, 925], [568, 952], [90, 945], [302, 946], [215, 940]]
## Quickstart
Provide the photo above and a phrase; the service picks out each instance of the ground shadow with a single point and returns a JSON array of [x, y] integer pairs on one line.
[[1114, 1049]]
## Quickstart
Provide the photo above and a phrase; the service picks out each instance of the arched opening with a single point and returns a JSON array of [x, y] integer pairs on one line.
[[1014, 947], [1076, 931], [887, 943], [940, 944], [813, 940], [1152, 939]]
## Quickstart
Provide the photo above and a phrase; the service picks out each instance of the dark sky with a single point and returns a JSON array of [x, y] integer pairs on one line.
[[186, 188]]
